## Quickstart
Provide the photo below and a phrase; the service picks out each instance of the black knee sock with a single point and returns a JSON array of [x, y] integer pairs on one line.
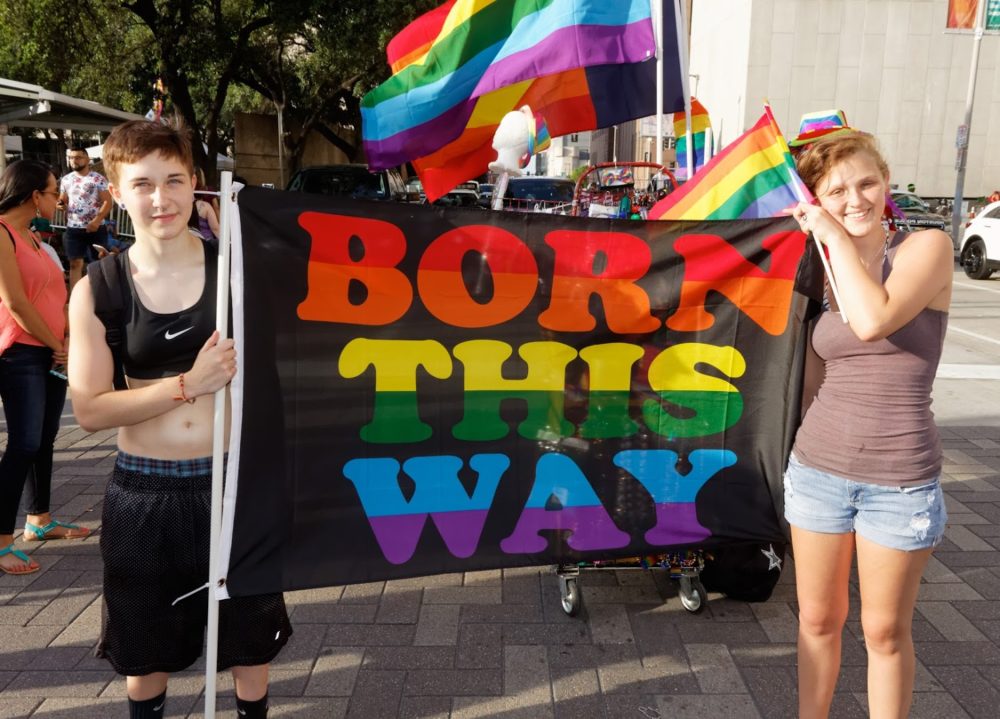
[[147, 708], [251, 710]]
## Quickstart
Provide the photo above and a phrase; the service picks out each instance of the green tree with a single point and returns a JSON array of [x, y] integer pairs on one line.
[[310, 60], [316, 62]]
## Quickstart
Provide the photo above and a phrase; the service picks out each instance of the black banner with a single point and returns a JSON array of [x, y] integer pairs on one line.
[[428, 390]]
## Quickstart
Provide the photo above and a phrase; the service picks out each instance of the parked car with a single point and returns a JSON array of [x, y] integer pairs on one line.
[[918, 214], [415, 190], [459, 197], [553, 195], [980, 250], [486, 196], [353, 181]]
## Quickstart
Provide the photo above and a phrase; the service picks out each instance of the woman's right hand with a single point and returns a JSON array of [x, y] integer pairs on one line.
[[213, 369]]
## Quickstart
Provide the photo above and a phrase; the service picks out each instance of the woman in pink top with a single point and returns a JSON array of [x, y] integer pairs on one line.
[[32, 341]]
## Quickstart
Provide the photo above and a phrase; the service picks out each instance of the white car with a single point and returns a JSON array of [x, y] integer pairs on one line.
[[980, 250]]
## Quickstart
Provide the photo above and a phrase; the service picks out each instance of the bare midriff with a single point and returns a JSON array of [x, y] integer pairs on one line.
[[184, 432]]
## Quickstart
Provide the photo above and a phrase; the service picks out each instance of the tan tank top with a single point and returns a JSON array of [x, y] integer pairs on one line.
[[871, 420]]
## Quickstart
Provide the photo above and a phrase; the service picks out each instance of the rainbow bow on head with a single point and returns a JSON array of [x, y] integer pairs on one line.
[[538, 136]]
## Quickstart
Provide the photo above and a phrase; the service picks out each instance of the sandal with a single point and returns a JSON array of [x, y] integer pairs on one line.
[[28, 569], [34, 533]]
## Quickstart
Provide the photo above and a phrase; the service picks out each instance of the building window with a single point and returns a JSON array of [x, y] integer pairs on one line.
[[574, 138]]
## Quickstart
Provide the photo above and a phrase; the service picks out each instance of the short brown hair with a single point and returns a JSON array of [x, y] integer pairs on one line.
[[819, 157], [133, 140]]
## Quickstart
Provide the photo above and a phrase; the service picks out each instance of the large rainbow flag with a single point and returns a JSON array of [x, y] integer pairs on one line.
[[575, 100], [485, 45], [751, 178], [700, 124]]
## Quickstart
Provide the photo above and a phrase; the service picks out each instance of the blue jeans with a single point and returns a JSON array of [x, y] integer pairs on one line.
[[33, 401]]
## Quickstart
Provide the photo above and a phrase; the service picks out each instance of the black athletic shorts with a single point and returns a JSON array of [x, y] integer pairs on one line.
[[155, 545]]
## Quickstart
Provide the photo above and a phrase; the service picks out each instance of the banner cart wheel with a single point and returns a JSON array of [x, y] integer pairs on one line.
[[569, 590], [692, 594]]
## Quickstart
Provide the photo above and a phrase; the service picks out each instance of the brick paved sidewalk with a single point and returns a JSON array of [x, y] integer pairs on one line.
[[497, 644]]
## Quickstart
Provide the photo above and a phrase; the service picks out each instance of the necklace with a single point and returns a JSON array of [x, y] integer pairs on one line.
[[883, 250]]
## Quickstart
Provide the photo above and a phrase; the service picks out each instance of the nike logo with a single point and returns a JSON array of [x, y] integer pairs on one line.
[[156, 709], [171, 335]]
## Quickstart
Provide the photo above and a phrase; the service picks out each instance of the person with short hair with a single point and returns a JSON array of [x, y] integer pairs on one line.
[[84, 194], [156, 516], [863, 478]]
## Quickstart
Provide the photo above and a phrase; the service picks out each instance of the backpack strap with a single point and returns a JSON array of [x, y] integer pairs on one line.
[[107, 284]]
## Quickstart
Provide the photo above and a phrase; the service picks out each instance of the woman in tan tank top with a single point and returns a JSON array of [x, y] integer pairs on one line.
[[841, 496]]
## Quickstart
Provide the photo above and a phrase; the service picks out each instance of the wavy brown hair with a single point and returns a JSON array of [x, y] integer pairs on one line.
[[819, 157]]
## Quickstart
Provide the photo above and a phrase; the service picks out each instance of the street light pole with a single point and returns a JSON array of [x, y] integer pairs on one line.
[[962, 138]]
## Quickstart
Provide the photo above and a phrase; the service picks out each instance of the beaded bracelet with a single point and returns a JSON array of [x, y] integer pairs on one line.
[[182, 397]]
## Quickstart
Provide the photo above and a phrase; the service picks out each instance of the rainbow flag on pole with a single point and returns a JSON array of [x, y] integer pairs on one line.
[[487, 45], [700, 125], [751, 178], [576, 100]]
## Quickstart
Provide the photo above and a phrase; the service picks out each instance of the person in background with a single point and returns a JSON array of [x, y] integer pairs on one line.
[[115, 243], [625, 204], [994, 196], [863, 478], [32, 340], [84, 195], [157, 506], [659, 182], [204, 215], [911, 188]]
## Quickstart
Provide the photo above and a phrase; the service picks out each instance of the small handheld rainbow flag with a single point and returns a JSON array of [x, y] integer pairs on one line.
[[538, 136], [753, 177], [700, 125]]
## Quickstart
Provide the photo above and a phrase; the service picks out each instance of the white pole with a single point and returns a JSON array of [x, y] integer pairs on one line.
[[218, 446], [657, 7], [682, 51], [963, 130]]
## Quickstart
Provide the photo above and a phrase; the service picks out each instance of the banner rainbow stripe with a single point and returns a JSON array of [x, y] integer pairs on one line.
[[487, 45], [753, 177]]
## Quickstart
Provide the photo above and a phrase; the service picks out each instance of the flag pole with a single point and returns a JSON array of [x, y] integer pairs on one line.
[[790, 164], [685, 82], [962, 141], [218, 446], [657, 8]]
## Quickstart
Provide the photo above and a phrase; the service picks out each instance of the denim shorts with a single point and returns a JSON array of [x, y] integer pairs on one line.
[[77, 242], [905, 518]]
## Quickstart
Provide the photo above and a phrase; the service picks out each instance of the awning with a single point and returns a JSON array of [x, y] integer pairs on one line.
[[24, 105]]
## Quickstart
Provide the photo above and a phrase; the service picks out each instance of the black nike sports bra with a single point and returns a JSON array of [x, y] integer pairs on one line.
[[158, 345]]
